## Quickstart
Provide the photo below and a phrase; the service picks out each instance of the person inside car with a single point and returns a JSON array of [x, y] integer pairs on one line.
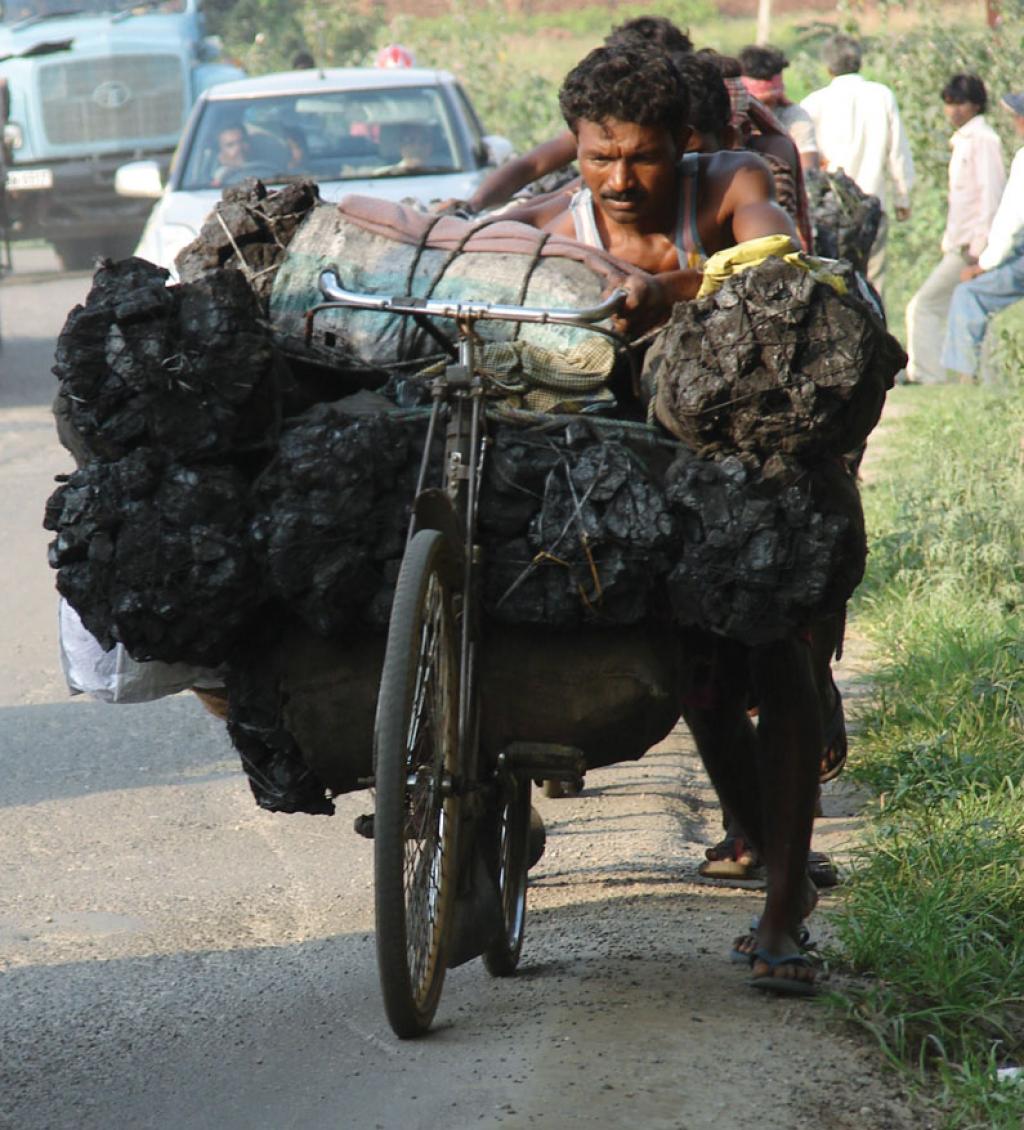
[[234, 152]]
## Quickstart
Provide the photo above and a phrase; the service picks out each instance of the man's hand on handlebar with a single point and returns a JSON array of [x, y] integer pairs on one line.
[[650, 298]]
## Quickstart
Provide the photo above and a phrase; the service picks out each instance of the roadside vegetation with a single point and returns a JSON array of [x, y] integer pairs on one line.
[[933, 919]]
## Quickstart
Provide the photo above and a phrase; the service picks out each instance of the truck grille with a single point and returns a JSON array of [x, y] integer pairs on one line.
[[122, 98]]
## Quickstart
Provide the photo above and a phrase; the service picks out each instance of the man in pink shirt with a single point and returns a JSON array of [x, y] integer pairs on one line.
[[976, 179]]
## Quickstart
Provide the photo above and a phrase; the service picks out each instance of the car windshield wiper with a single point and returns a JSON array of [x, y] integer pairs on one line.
[[38, 19]]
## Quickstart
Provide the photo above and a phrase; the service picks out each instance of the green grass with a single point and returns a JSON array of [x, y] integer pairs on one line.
[[933, 919]]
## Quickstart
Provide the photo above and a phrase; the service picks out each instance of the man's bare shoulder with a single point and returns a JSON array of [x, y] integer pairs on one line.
[[731, 162], [738, 172]]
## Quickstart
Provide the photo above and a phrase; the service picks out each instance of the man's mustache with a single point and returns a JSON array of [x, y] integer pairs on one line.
[[630, 196]]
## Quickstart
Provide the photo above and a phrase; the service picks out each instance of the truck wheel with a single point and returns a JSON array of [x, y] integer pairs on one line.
[[76, 254]]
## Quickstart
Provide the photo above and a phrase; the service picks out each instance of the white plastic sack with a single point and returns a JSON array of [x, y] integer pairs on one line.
[[113, 676]]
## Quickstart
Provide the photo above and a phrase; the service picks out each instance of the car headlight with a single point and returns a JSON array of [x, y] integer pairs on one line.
[[13, 136]]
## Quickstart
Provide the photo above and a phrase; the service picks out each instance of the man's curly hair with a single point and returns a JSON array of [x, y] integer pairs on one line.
[[653, 31], [627, 83], [710, 108]]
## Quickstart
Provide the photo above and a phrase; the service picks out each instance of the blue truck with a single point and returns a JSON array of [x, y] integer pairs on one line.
[[86, 85]]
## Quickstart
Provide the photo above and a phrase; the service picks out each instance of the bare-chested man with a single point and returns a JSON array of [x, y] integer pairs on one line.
[[648, 202]]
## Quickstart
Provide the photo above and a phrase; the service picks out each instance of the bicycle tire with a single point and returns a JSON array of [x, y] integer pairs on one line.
[[418, 812], [512, 826]]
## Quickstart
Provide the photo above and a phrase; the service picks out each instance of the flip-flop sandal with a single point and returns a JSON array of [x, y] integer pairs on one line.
[[783, 986], [821, 870], [733, 866], [834, 756], [746, 957]]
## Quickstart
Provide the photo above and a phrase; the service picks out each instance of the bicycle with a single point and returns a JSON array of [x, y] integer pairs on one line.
[[451, 835]]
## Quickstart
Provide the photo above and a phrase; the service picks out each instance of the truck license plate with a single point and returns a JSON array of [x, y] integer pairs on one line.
[[18, 180]]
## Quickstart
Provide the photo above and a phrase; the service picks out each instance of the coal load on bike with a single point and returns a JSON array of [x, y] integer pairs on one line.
[[281, 458], [845, 218]]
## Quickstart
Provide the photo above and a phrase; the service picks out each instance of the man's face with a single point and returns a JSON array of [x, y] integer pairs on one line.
[[233, 147], [414, 143], [960, 113], [1018, 124], [630, 169]]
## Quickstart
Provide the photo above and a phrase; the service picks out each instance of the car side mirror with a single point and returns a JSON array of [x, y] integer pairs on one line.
[[139, 179], [497, 150]]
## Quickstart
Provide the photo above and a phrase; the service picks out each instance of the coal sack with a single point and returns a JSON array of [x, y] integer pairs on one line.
[[332, 511], [249, 231], [845, 219], [773, 362], [155, 555], [280, 778], [575, 530], [765, 550], [187, 369]]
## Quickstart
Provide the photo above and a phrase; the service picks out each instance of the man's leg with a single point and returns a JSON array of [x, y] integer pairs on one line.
[[789, 741], [726, 738], [876, 257], [926, 320], [972, 305], [767, 777]]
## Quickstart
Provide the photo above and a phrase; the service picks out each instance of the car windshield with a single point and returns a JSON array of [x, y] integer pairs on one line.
[[331, 135], [36, 11]]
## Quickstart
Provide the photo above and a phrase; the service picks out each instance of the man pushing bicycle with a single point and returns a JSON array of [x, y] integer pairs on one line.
[[647, 201]]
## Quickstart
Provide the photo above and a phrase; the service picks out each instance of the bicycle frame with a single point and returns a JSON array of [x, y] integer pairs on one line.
[[461, 385]]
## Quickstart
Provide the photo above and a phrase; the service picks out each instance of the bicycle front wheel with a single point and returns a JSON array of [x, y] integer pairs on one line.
[[418, 813]]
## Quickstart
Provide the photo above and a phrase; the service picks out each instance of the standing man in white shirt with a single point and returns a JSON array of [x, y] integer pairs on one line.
[[997, 279], [977, 175], [858, 127]]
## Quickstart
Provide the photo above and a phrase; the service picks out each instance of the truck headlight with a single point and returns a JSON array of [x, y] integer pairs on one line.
[[13, 137]]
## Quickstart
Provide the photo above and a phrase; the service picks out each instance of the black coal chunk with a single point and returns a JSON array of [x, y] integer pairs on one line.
[[844, 218], [249, 231], [774, 362], [765, 549], [332, 514], [155, 555], [280, 778], [188, 369], [574, 530]]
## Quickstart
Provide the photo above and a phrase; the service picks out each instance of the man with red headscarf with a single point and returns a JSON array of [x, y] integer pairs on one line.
[[762, 77]]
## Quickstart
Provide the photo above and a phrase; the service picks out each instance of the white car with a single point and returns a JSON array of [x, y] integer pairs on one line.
[[391, 133]]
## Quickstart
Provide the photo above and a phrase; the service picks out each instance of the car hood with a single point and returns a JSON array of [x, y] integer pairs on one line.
[[177, 217]]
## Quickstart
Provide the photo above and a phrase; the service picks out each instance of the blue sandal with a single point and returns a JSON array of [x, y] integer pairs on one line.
[[741, 957], [783, 986]]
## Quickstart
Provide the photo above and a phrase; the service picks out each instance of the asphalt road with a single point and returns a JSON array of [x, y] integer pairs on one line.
[[173, 957]]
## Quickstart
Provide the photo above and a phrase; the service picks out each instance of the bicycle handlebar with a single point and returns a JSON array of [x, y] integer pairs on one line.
[[332, 290]]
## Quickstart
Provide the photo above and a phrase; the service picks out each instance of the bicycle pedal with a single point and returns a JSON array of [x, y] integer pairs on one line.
[[545, 760], [363, 825]]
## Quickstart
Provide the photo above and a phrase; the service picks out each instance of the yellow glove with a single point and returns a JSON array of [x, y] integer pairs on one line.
[[724, 264]]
